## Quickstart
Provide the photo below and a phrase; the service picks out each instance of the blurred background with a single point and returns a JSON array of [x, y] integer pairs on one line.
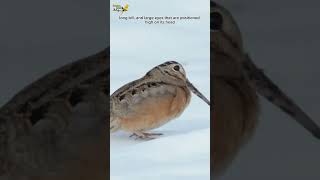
[[282, 38], [39, 36]]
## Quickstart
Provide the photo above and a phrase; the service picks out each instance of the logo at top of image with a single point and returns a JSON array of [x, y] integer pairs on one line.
[[119, 8]]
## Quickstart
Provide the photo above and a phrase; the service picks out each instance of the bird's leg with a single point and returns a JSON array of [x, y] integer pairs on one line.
[[145, 136], [154, 134]]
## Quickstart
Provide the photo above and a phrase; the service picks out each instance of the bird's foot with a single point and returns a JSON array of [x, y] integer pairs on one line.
[[145, 136]]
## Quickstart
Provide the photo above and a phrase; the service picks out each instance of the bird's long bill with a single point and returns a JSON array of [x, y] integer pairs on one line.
[[270, 91], [197, 92]]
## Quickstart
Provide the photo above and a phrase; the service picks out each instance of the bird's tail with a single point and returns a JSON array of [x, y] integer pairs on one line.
[[114, 125], [114, 121]]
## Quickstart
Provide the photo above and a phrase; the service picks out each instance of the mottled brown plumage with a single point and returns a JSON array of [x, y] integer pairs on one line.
[[151, 101]]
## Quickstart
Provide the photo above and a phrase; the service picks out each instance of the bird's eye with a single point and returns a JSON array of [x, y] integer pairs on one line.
[[176, 68], [216, 21]]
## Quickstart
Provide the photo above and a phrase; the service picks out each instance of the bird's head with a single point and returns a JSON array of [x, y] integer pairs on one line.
[[172, 72], [223, 26]]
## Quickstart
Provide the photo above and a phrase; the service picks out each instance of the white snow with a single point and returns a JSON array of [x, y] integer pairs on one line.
[[174, 156], [183, 152]]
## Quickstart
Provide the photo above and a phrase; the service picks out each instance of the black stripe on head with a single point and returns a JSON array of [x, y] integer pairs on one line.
[[168, 63]]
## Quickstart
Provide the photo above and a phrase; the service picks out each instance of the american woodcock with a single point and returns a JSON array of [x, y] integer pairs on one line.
[[40, 138], [151, 101], [236, 82]]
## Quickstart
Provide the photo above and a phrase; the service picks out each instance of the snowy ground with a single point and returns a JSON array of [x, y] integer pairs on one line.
[[177, 155]]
